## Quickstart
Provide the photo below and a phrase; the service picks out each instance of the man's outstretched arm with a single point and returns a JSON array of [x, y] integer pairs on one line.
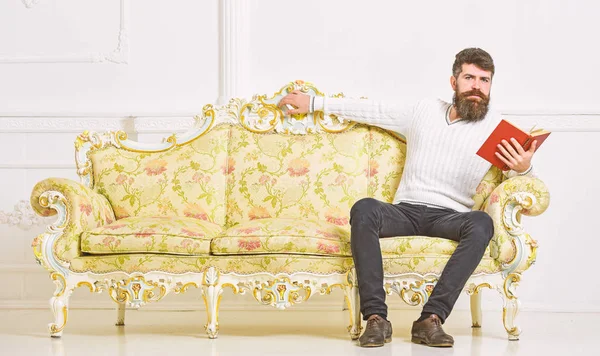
[[393, 117]]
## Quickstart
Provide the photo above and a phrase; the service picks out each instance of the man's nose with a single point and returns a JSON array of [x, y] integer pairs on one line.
[[475, 84]]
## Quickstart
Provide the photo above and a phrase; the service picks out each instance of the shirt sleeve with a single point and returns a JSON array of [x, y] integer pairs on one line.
[[528, 173], [390, 116]]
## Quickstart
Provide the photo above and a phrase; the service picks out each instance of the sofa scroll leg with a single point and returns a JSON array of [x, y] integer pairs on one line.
[[60, 309], [353, 302], [121, 314], [59, 304], [476, 314], [511, 305], [211, 292]]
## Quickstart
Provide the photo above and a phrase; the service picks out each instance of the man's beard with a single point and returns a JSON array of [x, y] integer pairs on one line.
[[468, 109]]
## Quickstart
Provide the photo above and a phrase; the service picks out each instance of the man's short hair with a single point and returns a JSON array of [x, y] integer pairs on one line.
[[476, 56]]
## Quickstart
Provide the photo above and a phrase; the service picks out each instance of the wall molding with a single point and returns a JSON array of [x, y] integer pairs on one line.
[[30, 3], [120, 55], [63, 124], [23, 267], [37, 165], [234, 48], [164, 125], [23, 217], [557, 122], [76, 124], [167, 123]]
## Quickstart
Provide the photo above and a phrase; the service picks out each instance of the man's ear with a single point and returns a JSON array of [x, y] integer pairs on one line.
[[453, 82]]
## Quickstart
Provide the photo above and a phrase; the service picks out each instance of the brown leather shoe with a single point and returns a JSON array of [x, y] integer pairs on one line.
[[430, 333], [377, 332]]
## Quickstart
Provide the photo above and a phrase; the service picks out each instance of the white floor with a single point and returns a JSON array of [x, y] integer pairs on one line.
[[272, 332]]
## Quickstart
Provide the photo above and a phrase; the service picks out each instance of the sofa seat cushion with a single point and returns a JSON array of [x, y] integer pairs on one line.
[[428, 265], [418, 245], [283, 235], [238, 264], [270, 263], [163, 235]]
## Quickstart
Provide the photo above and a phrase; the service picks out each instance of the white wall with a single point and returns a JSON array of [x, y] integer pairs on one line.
[[168, 56], [63, 69]]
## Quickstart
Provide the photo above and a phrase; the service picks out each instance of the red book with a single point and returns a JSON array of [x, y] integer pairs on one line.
[[505, 131]]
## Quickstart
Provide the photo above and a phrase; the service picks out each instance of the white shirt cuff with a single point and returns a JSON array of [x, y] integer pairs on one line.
[[527, 171], [317, 103]]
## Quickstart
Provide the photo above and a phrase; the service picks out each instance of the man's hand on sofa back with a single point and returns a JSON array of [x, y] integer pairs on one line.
[[301, 103]]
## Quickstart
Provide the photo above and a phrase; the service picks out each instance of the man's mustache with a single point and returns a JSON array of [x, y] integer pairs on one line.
[[474, 92]]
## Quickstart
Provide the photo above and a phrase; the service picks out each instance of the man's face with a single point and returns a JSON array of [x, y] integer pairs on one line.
[[472, 92]]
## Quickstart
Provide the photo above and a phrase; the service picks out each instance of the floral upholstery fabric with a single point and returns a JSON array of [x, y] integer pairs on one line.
[[283, 235], [424, 264], [489, 182], [188, 180], [249, 264], [419, 245], [387, 154], [315, 177], [171, 235]]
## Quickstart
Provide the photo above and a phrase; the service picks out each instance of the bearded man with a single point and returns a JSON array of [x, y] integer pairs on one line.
[[434, 198]]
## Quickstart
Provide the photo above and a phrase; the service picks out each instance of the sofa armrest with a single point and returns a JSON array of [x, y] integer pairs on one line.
[[511, 246], [79, 209]]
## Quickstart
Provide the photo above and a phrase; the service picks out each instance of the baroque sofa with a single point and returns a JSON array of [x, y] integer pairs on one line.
[[252, 201]]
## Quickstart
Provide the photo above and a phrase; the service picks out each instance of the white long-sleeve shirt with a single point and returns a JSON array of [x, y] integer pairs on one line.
[[442, 168]]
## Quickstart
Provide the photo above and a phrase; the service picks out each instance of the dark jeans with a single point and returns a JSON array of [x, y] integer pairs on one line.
[[372, 219]]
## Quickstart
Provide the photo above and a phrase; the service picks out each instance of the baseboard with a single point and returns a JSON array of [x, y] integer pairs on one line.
[[313, 305], [172, 306], [576, 308]]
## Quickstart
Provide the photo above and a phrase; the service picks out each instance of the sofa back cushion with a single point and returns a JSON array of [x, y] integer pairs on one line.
[[188, 180], [315, 176], [231, 175], [387, 154]]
